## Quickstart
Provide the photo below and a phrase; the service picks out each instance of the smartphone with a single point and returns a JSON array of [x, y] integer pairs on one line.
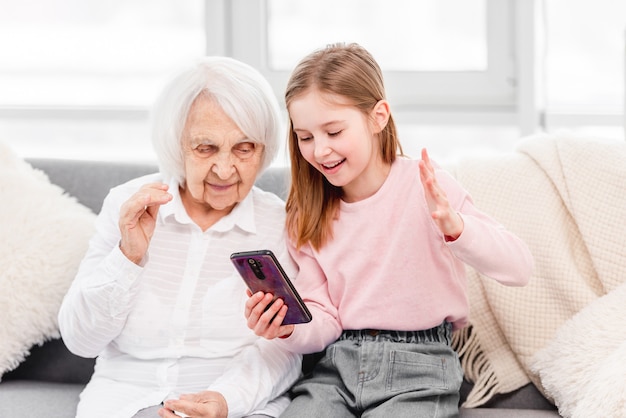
[[262, 272]]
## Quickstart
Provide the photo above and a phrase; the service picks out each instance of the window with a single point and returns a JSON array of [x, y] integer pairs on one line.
[[587, 52], [429, 55], [77, 78], [296, 27], [86, 53]]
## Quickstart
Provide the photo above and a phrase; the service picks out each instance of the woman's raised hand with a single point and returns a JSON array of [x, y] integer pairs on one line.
[[138, 219]]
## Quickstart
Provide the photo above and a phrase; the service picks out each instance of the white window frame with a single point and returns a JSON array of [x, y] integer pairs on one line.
[[508, 94], [238, 28]]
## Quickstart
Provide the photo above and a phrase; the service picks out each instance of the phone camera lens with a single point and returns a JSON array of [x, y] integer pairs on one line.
[[255, 266]]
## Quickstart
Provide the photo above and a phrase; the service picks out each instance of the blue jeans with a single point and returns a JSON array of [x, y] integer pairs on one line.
[[371, 373]]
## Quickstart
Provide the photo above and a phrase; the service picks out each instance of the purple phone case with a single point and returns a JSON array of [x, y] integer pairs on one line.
[[273, 280]]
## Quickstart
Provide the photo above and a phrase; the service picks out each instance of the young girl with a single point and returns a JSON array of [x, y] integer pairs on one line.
[[381, 241]]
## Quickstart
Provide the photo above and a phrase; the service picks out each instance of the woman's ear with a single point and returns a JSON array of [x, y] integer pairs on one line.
[[380, 115]]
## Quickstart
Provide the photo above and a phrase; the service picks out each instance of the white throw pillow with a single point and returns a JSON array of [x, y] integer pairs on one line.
[[583, 368], [44, 234]]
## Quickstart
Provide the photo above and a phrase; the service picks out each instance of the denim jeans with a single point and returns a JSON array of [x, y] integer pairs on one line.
[[371, 373]]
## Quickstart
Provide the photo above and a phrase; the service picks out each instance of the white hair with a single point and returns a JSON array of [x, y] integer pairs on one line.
[[239, 89]]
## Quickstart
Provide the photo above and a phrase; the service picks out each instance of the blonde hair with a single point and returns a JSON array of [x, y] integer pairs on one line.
[[349, 71]]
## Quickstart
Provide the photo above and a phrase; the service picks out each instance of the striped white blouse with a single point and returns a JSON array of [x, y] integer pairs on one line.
[[175, 324]]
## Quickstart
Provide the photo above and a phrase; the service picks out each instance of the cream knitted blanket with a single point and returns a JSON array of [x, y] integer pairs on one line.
[[565, 196]]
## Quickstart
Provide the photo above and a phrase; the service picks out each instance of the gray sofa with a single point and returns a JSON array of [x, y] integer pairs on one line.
[[48, 383]]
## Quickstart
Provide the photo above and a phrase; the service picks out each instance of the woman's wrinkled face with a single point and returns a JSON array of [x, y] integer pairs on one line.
[[221, 163]]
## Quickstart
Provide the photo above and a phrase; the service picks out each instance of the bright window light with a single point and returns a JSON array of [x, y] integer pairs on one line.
[[585, 55], [94, 53], [403, 35]]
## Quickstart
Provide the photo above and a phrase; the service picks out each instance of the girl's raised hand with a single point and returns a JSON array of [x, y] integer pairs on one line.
[[446, 218]]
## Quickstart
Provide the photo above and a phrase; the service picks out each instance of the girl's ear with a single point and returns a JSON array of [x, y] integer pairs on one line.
[[380, 115]]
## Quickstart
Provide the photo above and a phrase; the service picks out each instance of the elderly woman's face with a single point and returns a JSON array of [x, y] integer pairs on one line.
[[221, 164]]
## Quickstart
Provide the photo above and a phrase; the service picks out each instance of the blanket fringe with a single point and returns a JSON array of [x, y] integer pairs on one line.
[[476, 368]]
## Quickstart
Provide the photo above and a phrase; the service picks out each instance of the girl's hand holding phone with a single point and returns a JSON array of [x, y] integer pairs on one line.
[[265, 318], [267, 309]]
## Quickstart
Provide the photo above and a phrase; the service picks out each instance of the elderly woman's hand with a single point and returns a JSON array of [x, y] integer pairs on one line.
[[138, 219], [206, 404]]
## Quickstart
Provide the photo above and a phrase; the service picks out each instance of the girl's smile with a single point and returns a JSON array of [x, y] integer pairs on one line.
[[338, 140], [330, 167]]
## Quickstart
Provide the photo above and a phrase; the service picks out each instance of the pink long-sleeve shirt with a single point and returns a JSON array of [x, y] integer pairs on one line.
[[389, 267]]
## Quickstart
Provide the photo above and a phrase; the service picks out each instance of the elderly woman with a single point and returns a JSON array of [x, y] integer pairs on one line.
[[156, 298]]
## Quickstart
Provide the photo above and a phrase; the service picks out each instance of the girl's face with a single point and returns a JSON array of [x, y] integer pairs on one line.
[[340, 141]]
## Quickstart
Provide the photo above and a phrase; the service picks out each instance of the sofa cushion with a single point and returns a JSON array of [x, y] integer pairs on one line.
[[44, 233], [507, 413], [582, 368], [90, 181], [39, 399], [52, 362]]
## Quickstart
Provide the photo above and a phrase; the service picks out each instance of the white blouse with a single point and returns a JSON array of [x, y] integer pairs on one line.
[[176, 324]]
